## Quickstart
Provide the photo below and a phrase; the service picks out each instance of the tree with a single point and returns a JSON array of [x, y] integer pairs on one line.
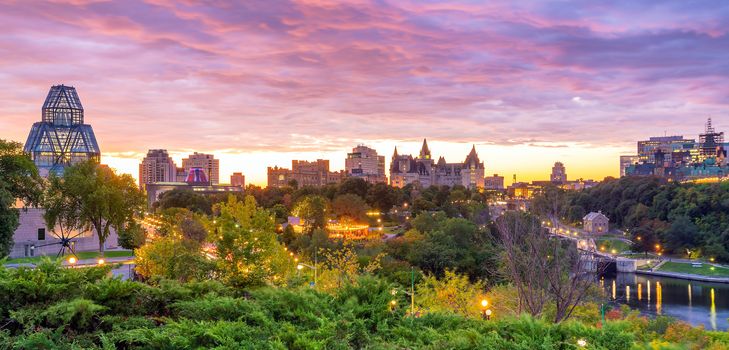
[[353, 185], [312, 210], [383, 197], [543, 268], [105, 200], [451, 293], [172, 257], [182, 198], [19, 179], [350, 208], [247, 246]]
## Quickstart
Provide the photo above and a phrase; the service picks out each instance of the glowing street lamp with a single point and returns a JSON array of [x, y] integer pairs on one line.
[[485, 313], [101, 261], [72, 261], [582, 343]]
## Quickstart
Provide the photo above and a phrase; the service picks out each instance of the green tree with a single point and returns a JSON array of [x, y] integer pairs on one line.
[[312, 210], [19, 179], [350, 207], [105, 200], [247, 246], [182, 198]]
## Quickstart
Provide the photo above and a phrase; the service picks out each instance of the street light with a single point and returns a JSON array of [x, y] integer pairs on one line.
[[101, 261], [485, 313], [301, 266], [72, 261], [582, 343]]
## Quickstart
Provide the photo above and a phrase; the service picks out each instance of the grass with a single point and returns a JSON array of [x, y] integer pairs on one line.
[[612, 243], [81, 256], [704, 270]]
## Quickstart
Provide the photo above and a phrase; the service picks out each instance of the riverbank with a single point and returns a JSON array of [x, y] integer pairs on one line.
[[684, 276]]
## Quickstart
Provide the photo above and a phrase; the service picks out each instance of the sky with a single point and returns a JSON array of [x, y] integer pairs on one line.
[[259, 83]]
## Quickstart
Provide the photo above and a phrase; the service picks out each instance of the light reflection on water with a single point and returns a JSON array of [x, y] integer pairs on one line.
[[698, 303]]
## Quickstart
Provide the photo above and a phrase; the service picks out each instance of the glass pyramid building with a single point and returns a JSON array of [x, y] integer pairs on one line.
[[61, 138]]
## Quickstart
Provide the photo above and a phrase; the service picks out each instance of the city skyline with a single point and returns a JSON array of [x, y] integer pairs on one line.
[[260, 85]]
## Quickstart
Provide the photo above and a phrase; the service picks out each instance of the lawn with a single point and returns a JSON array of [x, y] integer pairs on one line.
[[81, 255], [704, 270], [612, 243]]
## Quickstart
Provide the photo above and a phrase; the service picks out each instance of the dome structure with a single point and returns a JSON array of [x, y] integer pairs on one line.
[[61, 138]]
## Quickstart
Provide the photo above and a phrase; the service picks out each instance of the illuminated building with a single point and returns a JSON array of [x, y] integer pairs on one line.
[[61, 138], [238, 179], [303, 173], [495, 182], [157, 166], [405, 169], [559, 174], [595, 223], [679, 159], [363, 162], [205, 161], [626, 161], [196, 181]]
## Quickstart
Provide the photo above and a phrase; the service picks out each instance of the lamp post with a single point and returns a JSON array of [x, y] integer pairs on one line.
[[72, 261], [301, 266], [485, 312]]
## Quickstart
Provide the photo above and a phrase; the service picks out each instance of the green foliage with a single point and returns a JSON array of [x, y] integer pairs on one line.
[[80, 308], [182, 198], [312, 210], [350, 208], [441, 243], [172, 258], [90, 196], [18, 179]]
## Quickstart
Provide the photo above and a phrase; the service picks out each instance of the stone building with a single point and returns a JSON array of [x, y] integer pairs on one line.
[[595, 223], [304, 173], [406, 169]]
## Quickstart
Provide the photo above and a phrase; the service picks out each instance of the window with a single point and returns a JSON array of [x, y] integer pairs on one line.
[[42, 234]]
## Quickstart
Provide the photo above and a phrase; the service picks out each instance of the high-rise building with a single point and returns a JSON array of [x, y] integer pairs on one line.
[[364, 163], [156, 167], [710, 142], [304, 173], [61, 138], [495, 182], [559, 174], [675, 149], [626, 161], [404, 169], [206, 162], [238, 179]]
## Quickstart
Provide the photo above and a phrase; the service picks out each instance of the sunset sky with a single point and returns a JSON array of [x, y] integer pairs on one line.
[[260, 83]]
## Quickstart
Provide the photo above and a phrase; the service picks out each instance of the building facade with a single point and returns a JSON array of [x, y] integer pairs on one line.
[[157, 166], [406, 169], [303, 173], [363, 162], [238, 179], [205, 161], [680, 159], [494, 182], [595, 223], [559, 174], [61, 138]]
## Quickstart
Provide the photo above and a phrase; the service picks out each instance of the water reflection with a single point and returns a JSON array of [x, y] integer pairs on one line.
[[697, 303]]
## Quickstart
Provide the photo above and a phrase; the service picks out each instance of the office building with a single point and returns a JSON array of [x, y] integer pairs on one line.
[[157, 166], [238, 179], [559, 174], [494, 182], [204, 161], [363, 162], [303, 173]]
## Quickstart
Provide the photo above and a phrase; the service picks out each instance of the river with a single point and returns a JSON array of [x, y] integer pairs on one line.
[[698, 303]]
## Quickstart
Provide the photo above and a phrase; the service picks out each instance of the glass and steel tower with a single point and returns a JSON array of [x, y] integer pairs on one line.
[[61, 138]]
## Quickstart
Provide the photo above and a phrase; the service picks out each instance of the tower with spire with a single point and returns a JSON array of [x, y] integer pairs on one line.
[[406, 169]]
